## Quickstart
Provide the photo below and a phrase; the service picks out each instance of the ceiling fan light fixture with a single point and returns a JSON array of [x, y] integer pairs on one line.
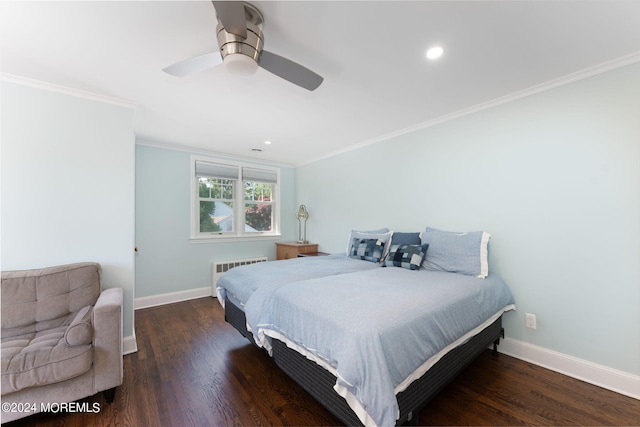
[[240, 65]]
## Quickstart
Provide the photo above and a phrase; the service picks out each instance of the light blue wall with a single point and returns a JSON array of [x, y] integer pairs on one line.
[[67, 185], [166, 261], [554, 177]]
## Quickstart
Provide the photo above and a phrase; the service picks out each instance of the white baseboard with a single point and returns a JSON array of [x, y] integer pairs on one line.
[[129, 344], [171, 297], [599, 375]]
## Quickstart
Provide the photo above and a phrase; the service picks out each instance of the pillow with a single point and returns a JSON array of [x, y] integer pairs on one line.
[[405, 239], [373, 234], [406, 256], [367, 249], [80, 331], [464, 253]]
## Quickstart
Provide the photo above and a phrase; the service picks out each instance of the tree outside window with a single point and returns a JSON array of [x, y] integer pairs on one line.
[[216, 204], [258, 202]]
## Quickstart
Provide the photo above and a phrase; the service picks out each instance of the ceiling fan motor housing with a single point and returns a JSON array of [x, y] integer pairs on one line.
[[234, 47]]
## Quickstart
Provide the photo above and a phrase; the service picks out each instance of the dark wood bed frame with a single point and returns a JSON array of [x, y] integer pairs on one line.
[[319, 382]]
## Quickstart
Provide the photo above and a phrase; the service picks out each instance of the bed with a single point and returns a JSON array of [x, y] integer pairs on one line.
[[375, 344]]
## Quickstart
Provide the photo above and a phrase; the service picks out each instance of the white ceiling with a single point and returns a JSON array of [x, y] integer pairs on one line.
[[370, 53]]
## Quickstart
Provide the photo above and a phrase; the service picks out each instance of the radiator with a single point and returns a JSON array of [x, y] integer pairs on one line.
[[217, 268]]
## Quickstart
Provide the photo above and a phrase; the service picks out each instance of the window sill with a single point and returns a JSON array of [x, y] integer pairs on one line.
[[244, 238]]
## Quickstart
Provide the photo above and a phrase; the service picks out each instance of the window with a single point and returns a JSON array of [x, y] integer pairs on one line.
[[233, 201]]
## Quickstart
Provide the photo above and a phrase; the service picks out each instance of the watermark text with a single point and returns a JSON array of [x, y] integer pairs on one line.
[[53, 407]]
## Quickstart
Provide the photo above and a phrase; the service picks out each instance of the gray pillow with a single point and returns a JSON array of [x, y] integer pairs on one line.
[[464, 253], [405, 238], [80, 331]]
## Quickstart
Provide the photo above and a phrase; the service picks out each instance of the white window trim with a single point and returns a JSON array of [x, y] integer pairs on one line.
[[239, 234]]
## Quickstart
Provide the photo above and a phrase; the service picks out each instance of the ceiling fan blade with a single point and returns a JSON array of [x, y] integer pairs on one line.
[[289, 70], [232, 16], [194, 65]]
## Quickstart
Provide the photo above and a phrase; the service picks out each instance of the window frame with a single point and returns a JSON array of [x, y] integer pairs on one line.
[[239, 203]]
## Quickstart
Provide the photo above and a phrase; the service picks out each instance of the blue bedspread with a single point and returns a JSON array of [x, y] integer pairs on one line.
[[241, 282], [377, 330]]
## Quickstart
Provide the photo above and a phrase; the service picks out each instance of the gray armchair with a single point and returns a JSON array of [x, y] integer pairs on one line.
[[61, 337]]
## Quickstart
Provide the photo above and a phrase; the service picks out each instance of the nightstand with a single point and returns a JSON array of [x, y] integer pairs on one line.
[[286, 250]]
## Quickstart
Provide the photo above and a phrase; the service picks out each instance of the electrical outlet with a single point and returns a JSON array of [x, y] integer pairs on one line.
[[530, 320]]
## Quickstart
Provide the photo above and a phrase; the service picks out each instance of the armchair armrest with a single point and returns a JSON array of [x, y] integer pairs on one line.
[[107, 339]]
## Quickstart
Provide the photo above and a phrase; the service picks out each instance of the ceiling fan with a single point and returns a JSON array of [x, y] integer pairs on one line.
[[240, 41]]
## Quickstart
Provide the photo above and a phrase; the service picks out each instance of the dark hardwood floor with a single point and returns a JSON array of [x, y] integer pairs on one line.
[[193, 369]]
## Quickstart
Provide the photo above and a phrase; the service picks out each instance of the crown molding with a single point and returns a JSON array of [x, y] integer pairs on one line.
[[551, 84], [78, 93], [209, 153]]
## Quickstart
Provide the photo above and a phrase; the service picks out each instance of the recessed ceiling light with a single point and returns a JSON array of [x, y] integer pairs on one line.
[[268, 142], [435, 52]]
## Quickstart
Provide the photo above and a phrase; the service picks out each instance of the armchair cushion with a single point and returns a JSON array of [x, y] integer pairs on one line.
[[38, 300], [41, 358]]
